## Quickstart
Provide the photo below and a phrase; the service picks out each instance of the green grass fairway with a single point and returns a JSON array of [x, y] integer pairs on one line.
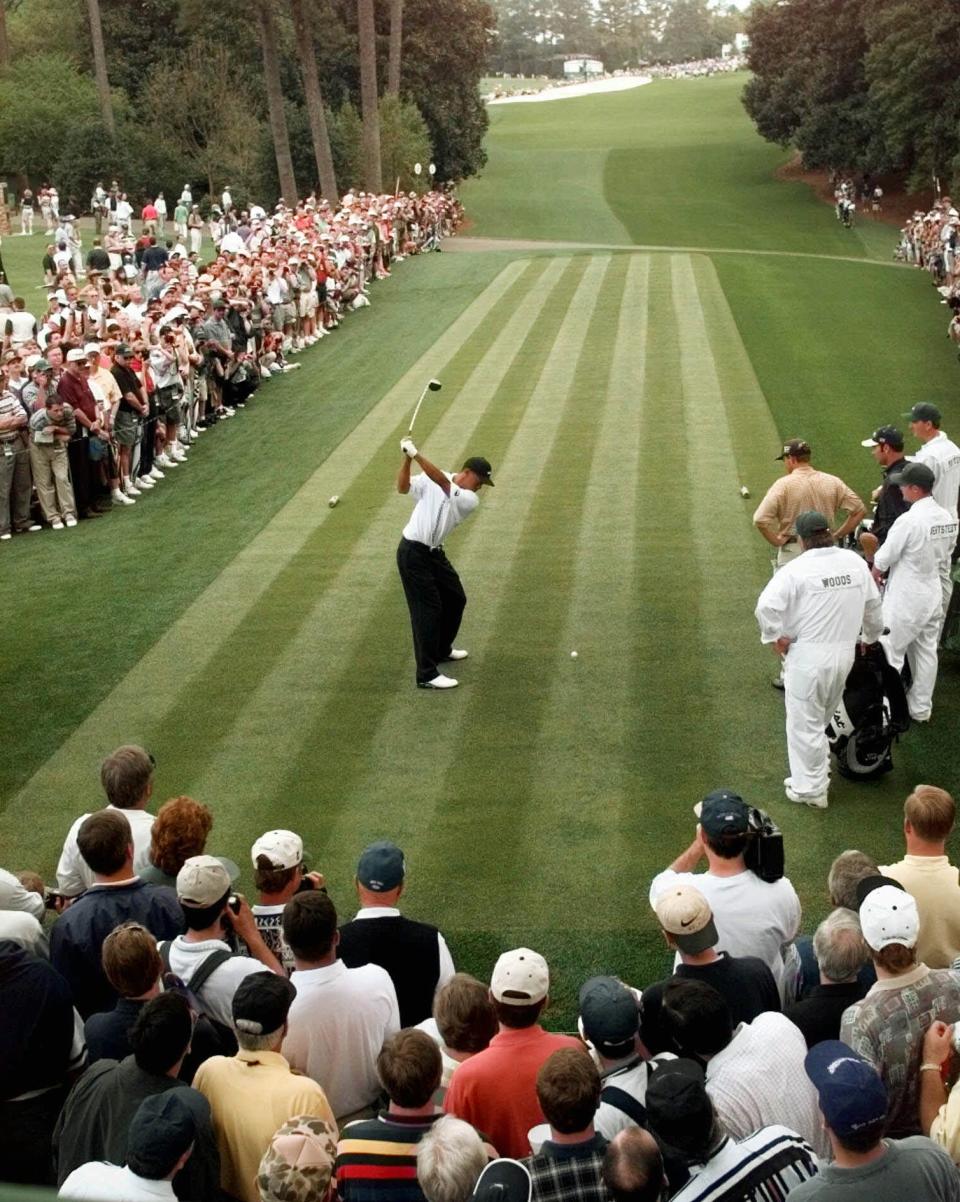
[[257, 641]]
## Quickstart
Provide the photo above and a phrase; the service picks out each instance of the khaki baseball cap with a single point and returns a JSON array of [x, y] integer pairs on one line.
[[202, 881], [685, 914], [520, 978]]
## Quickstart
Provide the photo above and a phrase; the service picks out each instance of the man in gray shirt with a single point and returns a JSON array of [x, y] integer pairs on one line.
[[853, 1100]]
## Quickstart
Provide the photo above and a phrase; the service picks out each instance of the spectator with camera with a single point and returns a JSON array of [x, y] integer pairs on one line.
[[279, 874], [341, 1017], [202, 958], [754, 916]]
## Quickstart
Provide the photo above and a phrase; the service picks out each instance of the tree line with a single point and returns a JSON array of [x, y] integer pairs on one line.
[[533, 36], [860, 85], [273, 99]]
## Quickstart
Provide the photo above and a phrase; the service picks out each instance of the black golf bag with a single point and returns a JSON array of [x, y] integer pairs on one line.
[[871, 715]]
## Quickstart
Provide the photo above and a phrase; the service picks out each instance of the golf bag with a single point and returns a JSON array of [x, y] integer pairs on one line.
[[871, 715]]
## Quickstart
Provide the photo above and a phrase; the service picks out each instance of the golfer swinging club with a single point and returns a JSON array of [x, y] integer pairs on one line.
[[435, 596]]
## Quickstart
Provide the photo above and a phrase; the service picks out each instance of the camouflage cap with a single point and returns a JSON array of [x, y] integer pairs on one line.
[[298, 1165]]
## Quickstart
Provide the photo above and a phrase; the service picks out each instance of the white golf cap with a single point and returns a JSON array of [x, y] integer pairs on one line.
[[283, 849], [202, 881], [76, 355], [889, 915], [520, 978], [92, 348]]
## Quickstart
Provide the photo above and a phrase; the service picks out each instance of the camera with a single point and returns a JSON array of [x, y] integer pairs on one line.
[[764, 853], [234, 903]]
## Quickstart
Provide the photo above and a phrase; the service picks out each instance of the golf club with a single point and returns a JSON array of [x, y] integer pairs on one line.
[[432, 386]]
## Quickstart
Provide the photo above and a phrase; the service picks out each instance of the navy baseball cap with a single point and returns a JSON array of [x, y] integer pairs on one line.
[[810, 522], [679, 1109], [723, 812], [163, 1128], [381, 867], [888, 435], [608, 1012], [852, 1095], [504, 1180]]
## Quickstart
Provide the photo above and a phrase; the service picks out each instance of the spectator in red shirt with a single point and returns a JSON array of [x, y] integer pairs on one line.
[[74, 390], [496, 1090]]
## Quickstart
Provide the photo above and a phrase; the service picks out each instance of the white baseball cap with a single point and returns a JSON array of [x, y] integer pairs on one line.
[[283, 849], [91, 348], [202, 881], [76, 355], [520, 978], [889, 915]]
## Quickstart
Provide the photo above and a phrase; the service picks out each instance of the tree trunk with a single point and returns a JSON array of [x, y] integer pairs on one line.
[[311, 89], [369, 99], [396, 38], [278, 120], [4, 40], [100, 65]]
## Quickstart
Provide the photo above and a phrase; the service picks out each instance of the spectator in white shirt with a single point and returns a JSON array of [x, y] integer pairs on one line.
[[127, 779], [755, 1074], [753, 917], [341, 1016], [159, 1143]]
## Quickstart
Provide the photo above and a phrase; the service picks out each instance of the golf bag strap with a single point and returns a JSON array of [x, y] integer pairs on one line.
[[206, 968], [614, 1096]]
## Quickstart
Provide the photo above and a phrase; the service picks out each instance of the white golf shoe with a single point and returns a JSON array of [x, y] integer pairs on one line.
[[439, 682], [457, 654]]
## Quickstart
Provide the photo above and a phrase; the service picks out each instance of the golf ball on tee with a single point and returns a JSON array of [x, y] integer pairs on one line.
[[573, 655]]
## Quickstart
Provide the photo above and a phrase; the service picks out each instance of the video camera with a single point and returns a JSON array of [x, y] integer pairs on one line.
[[764, 853]]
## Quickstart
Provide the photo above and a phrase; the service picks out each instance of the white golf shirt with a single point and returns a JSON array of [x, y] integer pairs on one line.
[[98, 1181], [916, 554], [336, 1027], [436, 513], [942, 457], [823, 596]]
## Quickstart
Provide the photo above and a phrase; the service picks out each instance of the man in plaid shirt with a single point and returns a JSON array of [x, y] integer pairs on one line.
[[568, 1166]]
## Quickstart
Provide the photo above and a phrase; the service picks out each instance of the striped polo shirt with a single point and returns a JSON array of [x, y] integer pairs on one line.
[[377, 1158], [10, 407]]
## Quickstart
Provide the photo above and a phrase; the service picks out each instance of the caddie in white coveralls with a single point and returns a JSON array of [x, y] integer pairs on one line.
[[916, 557], [942, 455], [813, 611]]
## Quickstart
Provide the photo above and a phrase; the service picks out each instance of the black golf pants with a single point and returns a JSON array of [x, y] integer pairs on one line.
[[436, 601]]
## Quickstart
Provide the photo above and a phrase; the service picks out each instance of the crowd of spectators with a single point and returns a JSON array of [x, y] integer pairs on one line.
[[929, 241], [165, 1038], [695, 69], [141, 345], [698, 68]]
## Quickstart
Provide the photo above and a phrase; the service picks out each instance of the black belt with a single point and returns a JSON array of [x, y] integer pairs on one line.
[[415, 542]]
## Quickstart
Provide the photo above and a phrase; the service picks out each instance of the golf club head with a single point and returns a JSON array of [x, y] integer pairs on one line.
[[434, 385]]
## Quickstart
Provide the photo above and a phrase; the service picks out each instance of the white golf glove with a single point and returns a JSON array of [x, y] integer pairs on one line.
[[406, 445]]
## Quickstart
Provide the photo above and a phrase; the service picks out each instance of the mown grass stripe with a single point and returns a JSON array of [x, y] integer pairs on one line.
[[524, 601], [726, 548], [152, 687], [340, 617], [394, 716]]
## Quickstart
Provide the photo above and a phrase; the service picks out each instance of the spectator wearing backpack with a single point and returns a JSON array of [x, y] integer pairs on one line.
[[609, 1022], [201, 958]]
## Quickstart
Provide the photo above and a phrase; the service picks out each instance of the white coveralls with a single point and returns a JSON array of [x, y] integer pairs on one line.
[[916, 554], [942, 457], [820, 601]]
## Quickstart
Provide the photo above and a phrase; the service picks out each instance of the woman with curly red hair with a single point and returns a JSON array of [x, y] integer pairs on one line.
[[179, 831]]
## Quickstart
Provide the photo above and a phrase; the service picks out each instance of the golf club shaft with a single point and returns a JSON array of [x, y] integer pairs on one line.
[[417, 409]]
